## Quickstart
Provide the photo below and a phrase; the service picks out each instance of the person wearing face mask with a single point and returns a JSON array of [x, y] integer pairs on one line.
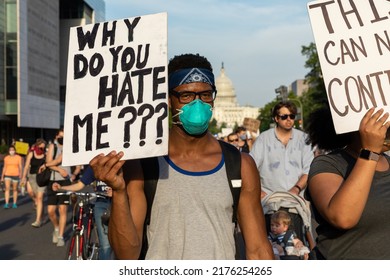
[[63, 176], [191, 217], [243, 141], [12, 172], [34, 160]]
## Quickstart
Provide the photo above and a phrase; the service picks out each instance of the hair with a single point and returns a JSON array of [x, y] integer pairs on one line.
[[321, 132], [188, 60], [59, 131], [231, 134], [40, 141], [282, 217], [289, 105], [240, 128], [11, 147]]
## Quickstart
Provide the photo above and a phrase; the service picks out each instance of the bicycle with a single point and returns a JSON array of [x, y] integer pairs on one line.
[[84, 243]]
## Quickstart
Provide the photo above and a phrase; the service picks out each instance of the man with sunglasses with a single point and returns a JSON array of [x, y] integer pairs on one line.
[[281, 154], [232, 138], [191, 217]]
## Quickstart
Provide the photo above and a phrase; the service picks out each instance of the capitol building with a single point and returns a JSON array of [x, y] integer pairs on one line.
[[226, 109]]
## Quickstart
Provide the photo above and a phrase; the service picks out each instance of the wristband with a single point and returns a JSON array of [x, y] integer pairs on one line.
[[299, 188], [369, 155]]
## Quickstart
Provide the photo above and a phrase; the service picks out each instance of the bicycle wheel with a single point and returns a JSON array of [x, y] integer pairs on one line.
[[73, 248], [92, 245]]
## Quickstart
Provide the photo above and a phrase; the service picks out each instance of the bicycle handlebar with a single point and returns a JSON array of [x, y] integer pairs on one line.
[[83, 194]]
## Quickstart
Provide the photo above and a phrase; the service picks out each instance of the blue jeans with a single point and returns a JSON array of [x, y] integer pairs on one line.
[[105, 251]]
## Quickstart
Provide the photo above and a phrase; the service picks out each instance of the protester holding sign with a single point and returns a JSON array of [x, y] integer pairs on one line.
[[191, 217], [349, 187]]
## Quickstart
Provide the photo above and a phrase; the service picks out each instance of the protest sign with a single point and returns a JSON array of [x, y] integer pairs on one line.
[[116, 96], [353, 44], [251, 124], [21, 148]]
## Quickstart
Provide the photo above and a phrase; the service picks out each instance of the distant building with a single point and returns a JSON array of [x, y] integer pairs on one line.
[[298, 87], [33, 59], [226, 108]]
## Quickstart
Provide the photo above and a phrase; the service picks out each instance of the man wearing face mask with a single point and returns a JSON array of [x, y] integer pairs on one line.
[[62, 175], [244, 142], [191, 217]]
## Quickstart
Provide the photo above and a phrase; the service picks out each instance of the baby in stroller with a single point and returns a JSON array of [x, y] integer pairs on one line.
[[299, 211], [284, 240]]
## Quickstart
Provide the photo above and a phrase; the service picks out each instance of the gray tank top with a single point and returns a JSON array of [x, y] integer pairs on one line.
[[57, 176], [191, 216]]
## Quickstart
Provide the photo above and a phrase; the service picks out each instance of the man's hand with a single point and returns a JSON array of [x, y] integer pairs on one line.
[[41, 168], [56, 186], [294, 190], [108, 168], [63, 172]]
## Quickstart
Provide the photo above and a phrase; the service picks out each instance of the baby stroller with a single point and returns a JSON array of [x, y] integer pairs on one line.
[[299, 210]]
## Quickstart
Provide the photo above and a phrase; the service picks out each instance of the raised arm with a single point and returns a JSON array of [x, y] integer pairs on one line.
[[341, 202], [250, 213], [128, 208]]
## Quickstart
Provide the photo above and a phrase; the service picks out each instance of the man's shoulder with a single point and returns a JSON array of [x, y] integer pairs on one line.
[[299, 132]]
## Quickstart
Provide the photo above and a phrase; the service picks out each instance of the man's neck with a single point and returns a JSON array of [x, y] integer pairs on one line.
[[283, 134]]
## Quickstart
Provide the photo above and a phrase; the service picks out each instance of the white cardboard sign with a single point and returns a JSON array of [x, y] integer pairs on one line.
[[116, 97], [353, 45]]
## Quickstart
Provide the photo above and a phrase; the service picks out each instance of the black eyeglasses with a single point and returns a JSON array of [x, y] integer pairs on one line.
[[284, 117], [189, 96], [233, 140]]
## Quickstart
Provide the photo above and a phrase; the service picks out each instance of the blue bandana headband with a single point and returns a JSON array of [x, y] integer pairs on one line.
[[190, 75]]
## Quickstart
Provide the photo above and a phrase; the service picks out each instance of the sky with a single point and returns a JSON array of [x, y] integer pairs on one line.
[[259, 42]]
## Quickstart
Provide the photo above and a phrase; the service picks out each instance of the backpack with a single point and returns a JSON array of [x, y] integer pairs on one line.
[[232, 157]]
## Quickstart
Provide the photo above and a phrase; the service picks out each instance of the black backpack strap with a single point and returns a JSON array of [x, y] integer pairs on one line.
[[151, 172], [55, 151], [233, 170]]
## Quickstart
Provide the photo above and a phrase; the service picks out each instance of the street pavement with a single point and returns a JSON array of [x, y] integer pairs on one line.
[[20, 241]]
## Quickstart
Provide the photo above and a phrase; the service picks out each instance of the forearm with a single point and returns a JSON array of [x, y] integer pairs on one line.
[[25, 172], [347, 205], [122, 232], [341, 202], [299, 186], [257, 244], [73, 188]]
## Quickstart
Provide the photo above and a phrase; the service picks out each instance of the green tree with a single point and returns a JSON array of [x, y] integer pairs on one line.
[[213, 128], [265, 116], [316, 96]]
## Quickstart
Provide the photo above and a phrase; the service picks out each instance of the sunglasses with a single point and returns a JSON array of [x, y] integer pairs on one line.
[[284, 117], [233, 140]]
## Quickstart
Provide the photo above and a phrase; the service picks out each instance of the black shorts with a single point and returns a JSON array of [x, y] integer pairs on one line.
[[53, 198]]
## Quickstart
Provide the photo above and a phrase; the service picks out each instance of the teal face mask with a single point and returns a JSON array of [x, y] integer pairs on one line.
[[195, 117]]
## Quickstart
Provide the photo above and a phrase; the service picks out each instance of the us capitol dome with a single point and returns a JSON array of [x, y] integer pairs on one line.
[[226, 108]]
